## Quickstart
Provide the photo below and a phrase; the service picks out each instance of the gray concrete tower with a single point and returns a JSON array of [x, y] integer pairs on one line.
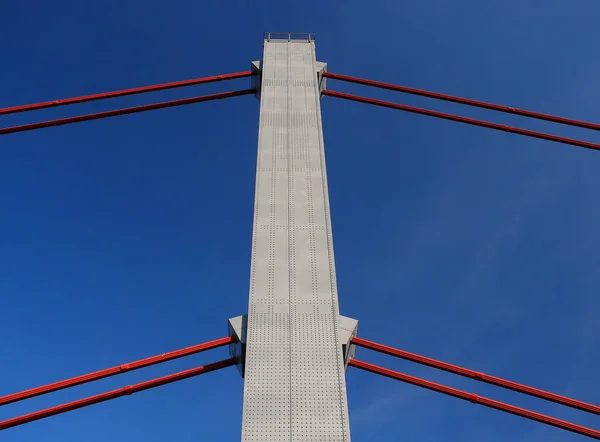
[[295, 340]]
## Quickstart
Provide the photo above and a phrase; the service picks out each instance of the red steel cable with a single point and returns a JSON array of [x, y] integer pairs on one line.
[[63, 408], [477, 399], [107, 372], [584, 406], [129, 110], [481, 123], [468, 102], [124, 92]]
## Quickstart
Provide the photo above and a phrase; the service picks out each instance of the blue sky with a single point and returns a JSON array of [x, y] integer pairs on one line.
[[128, 237]]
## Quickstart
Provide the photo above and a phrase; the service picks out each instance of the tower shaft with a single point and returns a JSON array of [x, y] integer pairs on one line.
[[295, 386]]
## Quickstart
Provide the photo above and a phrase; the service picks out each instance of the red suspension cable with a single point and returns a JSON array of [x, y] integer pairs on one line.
[[129, 110], [468, 102], [107, 372], [124, 92], [115, 394], [481, 123], [461, 371], [476, 399]]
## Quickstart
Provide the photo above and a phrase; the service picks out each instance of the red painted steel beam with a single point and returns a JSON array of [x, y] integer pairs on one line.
[[468, 102], [124, 92], [107, 372], [461, 371], [481, 123], [63, 408], [129, 110], [477, 399]]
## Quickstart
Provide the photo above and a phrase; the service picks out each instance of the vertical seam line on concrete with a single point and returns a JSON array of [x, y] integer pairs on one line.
[[290, 233], [311, 217]]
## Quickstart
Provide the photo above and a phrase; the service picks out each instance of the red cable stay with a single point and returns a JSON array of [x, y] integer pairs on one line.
[[493, 380], [472, 121], [91, 400], [468, 102], [129, 110], [107, 372], [124, 92], [476, 399]]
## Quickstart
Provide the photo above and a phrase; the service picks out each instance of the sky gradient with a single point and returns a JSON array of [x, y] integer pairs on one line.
[[128, 237]]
